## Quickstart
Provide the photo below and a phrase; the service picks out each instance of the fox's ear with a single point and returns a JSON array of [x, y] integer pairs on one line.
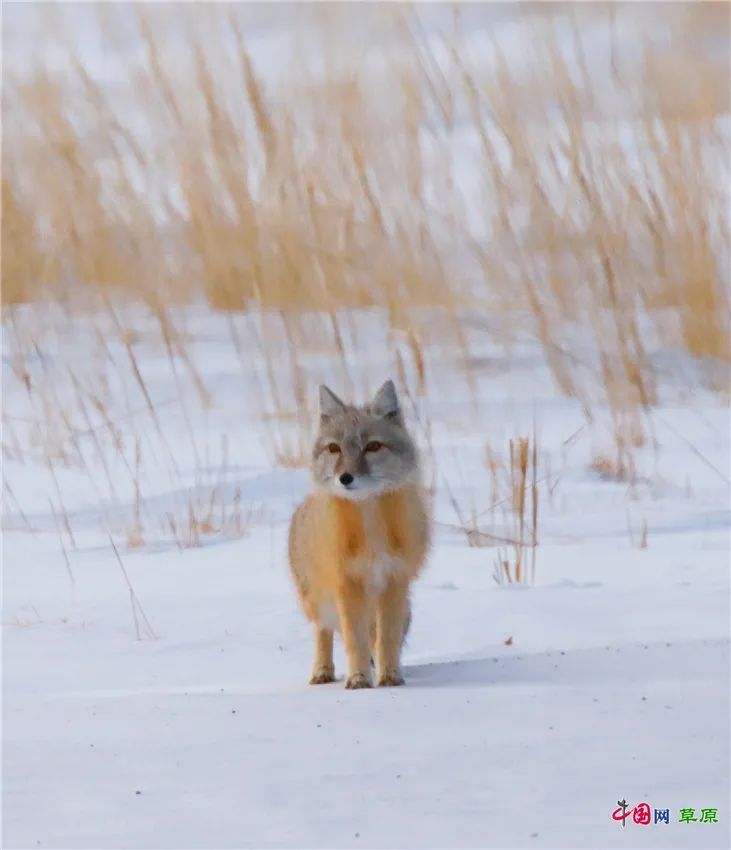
[[385, 402], [330, 404]]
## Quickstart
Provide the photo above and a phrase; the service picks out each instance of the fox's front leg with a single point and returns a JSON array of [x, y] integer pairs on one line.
[[392, 613], [323, 669], [354, 613]]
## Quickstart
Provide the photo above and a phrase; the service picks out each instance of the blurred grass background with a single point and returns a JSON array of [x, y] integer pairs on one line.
[[562, 166]]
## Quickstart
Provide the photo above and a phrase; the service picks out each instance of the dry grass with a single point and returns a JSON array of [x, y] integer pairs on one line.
[[518, 564], [510, 521], [592, 204], [143, 628], [637, 536]]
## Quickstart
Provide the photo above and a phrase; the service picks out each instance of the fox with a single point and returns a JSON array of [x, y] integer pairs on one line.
[[360, 538]]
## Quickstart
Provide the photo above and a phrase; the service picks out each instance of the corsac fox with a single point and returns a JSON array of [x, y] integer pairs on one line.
[[361, 537]]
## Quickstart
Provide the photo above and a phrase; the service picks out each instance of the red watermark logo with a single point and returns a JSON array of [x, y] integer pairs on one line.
[[643, 815]]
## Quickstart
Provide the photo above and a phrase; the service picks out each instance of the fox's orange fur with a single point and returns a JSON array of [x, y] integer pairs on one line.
[[353, 562]]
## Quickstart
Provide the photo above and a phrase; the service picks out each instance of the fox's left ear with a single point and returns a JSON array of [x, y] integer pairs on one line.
[[385, 402]]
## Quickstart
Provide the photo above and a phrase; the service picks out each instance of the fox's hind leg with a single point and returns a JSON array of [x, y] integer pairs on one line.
[[393, 617], [323, 669]]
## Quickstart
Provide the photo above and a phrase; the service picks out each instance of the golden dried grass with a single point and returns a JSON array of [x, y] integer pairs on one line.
[[514, 185]]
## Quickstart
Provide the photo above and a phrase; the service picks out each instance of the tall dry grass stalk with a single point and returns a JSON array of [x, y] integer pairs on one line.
[[518, 565]]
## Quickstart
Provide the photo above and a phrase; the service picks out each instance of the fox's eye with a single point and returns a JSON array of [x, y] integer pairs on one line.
[[333, 448], [374, 446]]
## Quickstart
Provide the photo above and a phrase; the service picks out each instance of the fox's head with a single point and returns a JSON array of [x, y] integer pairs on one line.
[[363, 451]]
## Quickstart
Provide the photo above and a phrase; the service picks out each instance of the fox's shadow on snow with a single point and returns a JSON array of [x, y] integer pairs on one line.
[[630, 663]]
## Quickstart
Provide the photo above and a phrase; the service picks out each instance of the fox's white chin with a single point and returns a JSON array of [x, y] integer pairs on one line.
[[359, 491], [355, 492]]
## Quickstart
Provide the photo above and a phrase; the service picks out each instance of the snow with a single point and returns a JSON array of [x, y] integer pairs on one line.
[[528, 710]]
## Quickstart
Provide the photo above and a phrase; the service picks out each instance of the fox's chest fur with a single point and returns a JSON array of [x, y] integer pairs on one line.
[[373, 541], [370, 542]]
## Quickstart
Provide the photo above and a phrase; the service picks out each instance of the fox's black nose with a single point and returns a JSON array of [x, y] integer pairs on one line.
[[346, 478]]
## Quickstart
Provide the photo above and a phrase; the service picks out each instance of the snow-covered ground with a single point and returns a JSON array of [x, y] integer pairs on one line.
[[528, 712]]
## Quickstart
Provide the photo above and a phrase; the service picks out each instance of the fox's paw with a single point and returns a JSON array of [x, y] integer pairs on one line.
[[390, 679], [322, 676], [356, 681]]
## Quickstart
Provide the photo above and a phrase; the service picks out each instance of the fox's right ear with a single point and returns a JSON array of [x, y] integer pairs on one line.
[[330, 404]]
